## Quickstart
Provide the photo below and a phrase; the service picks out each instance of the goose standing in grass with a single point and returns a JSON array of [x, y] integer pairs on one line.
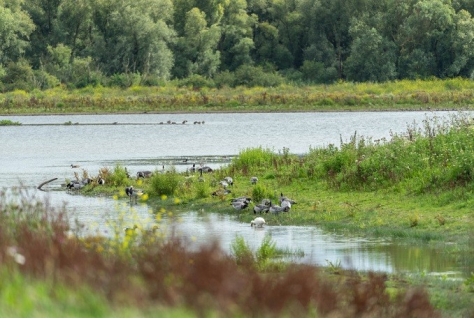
[[229, 180], [205, 169], [224, 184], [286, 205], [260, 208], [101, 181], [144, 174], [284, 198], [241, 199], [253, 180], [133, 193], [275, 209], [240, 205], [258, 222], [74, 185], [263, 207], [193, 168], [221, 192]]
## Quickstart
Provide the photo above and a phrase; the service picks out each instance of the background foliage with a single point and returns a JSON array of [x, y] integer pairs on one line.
[[83, 43]]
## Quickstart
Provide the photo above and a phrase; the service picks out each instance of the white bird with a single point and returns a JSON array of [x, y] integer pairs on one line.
[[229, 180], [133, 193], [224, 184], [254, 180], [258, 222]]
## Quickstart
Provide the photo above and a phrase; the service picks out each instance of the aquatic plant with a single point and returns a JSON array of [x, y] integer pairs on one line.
[[9, 123]]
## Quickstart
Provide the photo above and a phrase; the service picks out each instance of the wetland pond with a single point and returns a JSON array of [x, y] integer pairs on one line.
[[44, 147]]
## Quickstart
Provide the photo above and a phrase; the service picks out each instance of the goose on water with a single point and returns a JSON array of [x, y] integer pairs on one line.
[[258, 222], [74, 166], [133, 193]]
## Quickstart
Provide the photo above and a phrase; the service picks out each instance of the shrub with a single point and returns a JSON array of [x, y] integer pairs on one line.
[[119, 177], [164, 183]]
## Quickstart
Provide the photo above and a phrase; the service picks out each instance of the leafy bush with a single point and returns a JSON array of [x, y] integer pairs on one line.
[[250, 76], [252, 158], [119, 177], [164, 183]]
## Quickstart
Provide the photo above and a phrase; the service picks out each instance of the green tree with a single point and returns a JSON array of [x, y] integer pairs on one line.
[[15, 29], [197, 53], [134, 36], [236, 41], [373, 57]]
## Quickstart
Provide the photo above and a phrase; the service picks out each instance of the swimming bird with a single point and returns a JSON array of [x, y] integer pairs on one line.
[[253, 180], [258, 222], [75, 166], [144, 174], [133, 193]]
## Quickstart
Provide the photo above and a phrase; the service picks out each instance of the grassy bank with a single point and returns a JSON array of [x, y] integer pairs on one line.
[[453, 94], [419, 185]]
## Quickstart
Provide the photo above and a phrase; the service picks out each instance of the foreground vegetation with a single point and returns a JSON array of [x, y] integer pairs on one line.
[[195, 96], [146, 273]]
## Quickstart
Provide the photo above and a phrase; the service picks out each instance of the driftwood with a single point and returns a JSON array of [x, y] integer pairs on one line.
[[44, 183]]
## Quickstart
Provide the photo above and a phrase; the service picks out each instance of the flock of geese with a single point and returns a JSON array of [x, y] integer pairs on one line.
[[239, 203]]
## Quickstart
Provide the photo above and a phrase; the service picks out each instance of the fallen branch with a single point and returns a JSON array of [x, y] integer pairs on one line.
[[44, 183]]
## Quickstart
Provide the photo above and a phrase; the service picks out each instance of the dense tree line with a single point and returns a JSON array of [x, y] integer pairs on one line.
[[44, 43]]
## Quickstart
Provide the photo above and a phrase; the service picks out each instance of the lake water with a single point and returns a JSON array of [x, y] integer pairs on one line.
[[44, 147]]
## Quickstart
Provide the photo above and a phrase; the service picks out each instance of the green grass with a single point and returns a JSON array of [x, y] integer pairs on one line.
[[405, 95]]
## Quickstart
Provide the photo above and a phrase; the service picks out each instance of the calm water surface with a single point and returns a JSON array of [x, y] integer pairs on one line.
[[44, 147]]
